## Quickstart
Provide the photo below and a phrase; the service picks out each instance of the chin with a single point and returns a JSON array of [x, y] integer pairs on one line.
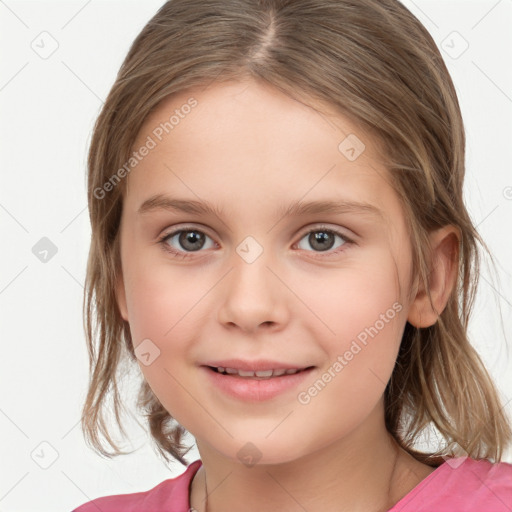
[[261, 452]]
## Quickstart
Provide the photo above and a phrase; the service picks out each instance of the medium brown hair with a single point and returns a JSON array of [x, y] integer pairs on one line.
[[371, 61]]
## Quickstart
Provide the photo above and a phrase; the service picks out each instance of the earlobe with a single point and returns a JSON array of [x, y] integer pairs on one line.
[[121, 297], [442, 278]]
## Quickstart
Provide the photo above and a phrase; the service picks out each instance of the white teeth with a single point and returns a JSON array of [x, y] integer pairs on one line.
[[266, 374], [245, 373]]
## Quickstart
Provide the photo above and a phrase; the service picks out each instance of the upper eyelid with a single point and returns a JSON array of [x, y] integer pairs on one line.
[[175, 231], [312, 227]]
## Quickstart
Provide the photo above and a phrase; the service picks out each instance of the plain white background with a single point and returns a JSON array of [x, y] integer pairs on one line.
[[49, 104]]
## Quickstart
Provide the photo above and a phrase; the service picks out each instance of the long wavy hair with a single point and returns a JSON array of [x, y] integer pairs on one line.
[[373, 62]]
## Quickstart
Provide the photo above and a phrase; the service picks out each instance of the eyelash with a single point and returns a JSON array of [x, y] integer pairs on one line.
[[184, 255]]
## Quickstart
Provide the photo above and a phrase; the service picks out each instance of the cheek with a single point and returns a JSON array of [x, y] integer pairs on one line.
[[159, 308], [360, 332], [348, 300], [160, 301], [165, 314]]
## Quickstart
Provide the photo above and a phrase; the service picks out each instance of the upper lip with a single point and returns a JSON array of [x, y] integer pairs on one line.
[[258, 365]]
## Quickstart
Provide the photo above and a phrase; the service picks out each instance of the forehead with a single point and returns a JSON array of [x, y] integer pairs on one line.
[[249, 141]]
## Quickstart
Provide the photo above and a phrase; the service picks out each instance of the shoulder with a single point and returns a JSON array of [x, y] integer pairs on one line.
[[463, 484], [480, 476], [171, 495]]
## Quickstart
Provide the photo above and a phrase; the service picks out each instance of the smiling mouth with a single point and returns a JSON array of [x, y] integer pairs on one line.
[[257, 375]]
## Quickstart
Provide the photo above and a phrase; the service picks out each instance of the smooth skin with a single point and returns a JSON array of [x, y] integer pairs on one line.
[[251, 151]]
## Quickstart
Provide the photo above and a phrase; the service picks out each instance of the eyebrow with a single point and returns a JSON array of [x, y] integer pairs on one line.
[[298, 208]]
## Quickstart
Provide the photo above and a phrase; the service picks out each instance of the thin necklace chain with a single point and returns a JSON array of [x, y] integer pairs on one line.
[[205, 493]]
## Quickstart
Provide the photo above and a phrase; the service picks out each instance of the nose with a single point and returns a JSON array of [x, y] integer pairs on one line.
[[253, 296]]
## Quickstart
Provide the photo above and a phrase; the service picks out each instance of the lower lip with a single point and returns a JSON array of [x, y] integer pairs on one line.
[[256, 390]]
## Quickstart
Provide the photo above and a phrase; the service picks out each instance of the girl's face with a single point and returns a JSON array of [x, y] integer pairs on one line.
[[260, 280]]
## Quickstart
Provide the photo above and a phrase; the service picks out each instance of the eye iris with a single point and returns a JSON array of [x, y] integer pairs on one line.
[[188, 240], [324, 239]]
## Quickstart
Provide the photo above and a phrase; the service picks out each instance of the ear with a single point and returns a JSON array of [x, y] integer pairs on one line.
[[444, 243], [121, 297]]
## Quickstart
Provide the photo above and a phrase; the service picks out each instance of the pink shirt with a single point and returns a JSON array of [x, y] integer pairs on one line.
[[458, 485]]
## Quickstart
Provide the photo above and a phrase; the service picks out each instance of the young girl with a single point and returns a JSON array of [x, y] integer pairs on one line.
[[280, 244]]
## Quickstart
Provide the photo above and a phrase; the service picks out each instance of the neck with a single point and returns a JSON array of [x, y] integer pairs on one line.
[[364, 471]]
